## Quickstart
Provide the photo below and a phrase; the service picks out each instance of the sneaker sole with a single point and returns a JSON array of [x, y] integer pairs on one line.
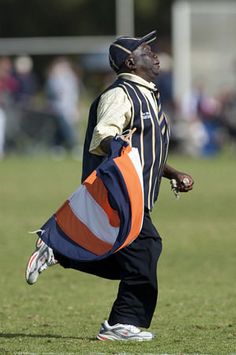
[[103, 337]]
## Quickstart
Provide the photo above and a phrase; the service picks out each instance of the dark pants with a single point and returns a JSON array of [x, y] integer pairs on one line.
[[135, 266]]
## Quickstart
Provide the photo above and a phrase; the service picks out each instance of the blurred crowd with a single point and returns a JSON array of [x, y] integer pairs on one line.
[[35, 114], [201, 124]]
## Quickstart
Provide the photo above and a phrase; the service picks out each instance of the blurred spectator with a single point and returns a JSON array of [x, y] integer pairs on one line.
[[194, 135], [228, 102], [2, 132], [165, 80], [62, 91], [8, 84], [209, 111], [26, 78], [201, 114], [8, 87]]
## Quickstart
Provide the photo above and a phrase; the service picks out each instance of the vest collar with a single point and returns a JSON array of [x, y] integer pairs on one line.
[[137, 79]]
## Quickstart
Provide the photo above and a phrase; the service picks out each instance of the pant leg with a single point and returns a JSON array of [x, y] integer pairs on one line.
[[107, 268], [137, 295]]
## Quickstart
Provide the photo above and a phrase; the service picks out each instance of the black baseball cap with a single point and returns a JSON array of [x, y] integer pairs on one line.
[[123, 46]]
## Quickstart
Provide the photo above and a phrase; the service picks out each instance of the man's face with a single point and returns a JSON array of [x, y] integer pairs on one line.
[[146, 62]]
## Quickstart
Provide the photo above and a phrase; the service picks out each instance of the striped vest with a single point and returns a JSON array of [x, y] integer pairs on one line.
[[151, 137]]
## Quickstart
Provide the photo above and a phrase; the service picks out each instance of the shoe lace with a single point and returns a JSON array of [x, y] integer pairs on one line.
[[43, 267], [49, 261]]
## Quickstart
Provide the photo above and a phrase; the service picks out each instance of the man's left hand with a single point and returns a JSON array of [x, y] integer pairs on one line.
[[184, 182]]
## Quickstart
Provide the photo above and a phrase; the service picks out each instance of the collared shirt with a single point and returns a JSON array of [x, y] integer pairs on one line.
[[114, 111]]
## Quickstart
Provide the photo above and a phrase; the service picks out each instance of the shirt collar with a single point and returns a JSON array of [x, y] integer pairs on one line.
[[137, 79]]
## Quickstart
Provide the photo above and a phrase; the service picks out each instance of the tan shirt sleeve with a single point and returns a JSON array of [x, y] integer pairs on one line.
[[113, 115]]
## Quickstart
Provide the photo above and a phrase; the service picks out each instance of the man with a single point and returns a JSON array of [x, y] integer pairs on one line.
[[132, 101]]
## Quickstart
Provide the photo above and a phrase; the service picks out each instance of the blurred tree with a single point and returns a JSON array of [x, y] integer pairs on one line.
[[26, 18], [154, 14]]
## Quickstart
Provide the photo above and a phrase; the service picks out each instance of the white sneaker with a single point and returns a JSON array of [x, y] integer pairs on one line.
[[39, 261], [123, 332]]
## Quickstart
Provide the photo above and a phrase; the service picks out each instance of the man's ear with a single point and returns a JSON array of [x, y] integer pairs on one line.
[[130, 63]]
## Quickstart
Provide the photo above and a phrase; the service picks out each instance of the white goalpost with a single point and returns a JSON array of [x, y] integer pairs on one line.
[[204, 51]]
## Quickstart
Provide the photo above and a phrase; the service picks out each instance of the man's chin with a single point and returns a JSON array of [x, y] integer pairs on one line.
[[156, 72]]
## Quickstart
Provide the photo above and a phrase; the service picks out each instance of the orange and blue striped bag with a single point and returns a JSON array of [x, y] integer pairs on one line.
[[105, 213]]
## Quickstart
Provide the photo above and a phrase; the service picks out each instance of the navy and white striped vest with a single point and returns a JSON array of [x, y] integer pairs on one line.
[[151, 137]]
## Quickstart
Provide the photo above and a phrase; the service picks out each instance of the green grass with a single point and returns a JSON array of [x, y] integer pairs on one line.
[[196, 311]]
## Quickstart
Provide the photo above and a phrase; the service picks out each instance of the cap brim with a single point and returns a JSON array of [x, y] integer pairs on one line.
[[149, 38]]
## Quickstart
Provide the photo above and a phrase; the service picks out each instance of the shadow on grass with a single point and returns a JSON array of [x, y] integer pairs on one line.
[[50, 336]]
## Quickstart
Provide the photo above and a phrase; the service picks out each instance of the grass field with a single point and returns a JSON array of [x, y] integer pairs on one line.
[[61, 314]]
